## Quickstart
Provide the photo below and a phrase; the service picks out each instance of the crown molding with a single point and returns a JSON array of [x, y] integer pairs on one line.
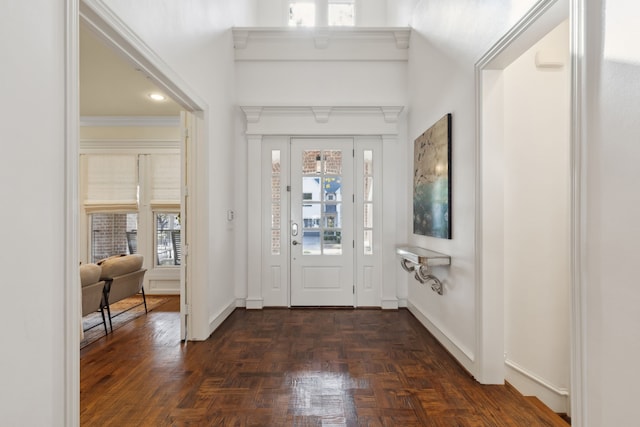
[[130, 121], [321, 44], [322, 120], [129, 145]]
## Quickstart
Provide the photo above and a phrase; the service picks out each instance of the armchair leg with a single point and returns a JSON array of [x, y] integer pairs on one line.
[[104, 321], [105, 303], [144, 298]]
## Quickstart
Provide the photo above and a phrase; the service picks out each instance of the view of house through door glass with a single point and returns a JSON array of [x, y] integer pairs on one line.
[[321, 222]]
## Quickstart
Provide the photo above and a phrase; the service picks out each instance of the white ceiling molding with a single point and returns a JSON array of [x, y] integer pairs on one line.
[[322, 120], [130, 121], [321, 44], [252, 114], [391, 114], [402, 39], [321, 113], [240, 38], [129, 145]]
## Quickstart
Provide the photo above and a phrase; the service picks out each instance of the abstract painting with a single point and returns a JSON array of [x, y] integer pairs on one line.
[[432, 181]]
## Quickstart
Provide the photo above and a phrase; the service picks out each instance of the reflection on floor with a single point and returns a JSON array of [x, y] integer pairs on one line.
[[280, 367]]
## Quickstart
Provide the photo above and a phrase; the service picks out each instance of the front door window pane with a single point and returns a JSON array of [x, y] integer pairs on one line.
[[332, 160], [332, 189], [332, 243], [311, 242], [321, 202]]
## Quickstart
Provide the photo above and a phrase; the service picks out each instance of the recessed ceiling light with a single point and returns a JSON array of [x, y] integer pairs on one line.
[[157, 96]]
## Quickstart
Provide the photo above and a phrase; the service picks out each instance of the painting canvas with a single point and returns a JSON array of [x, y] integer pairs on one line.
[[432, 181]]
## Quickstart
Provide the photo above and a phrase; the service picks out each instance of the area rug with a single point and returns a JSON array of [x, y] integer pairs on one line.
[[122, 312]]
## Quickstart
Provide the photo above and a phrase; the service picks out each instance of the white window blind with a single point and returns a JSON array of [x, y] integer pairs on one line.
[[110, 182], [165, 180]]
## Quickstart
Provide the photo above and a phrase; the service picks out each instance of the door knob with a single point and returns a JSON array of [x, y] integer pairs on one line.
[[295, 242]]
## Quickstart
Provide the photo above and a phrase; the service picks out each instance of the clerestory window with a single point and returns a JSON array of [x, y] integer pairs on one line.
[[309, 13]]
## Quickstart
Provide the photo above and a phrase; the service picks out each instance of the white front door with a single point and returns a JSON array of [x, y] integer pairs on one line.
[[321, 230]]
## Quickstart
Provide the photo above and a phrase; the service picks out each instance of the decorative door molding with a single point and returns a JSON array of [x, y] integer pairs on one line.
[[274, 126]]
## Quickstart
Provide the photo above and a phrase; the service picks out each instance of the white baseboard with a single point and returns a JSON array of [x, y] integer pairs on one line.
[[529, 384], [464, 356], [254, 304], [241, 302], [402, 303], [389, 304], [216, 321]]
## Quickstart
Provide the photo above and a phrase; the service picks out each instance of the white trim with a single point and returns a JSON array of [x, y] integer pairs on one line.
[[548, 9], [389, 304], [254, 220], [126, 145], [541, 18], [321, 43], [72, 302], [241, 303], [216, 321], [336, 120], [579, 363], [533, 377], [124, 206], [463, 355], [254, 303], [530, 384], [130, 121]]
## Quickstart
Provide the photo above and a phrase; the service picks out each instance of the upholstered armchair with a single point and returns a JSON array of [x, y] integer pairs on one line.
[[92, 291], [124, 277]]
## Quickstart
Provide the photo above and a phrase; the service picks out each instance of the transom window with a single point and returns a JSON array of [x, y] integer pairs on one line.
[[341, 13], [302, 14], [309, 13]]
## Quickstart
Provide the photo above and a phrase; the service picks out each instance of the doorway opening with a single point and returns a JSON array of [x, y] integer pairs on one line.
[[524, 211], [97, 17]]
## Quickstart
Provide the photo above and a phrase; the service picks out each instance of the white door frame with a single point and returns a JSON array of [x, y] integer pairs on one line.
[[266, 123], [543, 17], [123, 40]]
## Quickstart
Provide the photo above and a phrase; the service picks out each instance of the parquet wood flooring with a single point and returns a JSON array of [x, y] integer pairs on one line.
[[279, 367]]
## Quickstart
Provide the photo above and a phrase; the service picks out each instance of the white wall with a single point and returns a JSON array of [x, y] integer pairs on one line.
[[321, 83], [399, 12], [612, 229], [447, 41], [537, 209], [32, 185], [195, 40]]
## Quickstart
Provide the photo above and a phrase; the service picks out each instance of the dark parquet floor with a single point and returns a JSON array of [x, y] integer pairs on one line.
[[278, 367]]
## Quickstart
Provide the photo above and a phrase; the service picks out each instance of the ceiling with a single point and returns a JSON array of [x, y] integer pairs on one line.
[[111, 86]]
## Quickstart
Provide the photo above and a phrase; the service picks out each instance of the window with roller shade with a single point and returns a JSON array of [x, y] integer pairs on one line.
[[118, 190]]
